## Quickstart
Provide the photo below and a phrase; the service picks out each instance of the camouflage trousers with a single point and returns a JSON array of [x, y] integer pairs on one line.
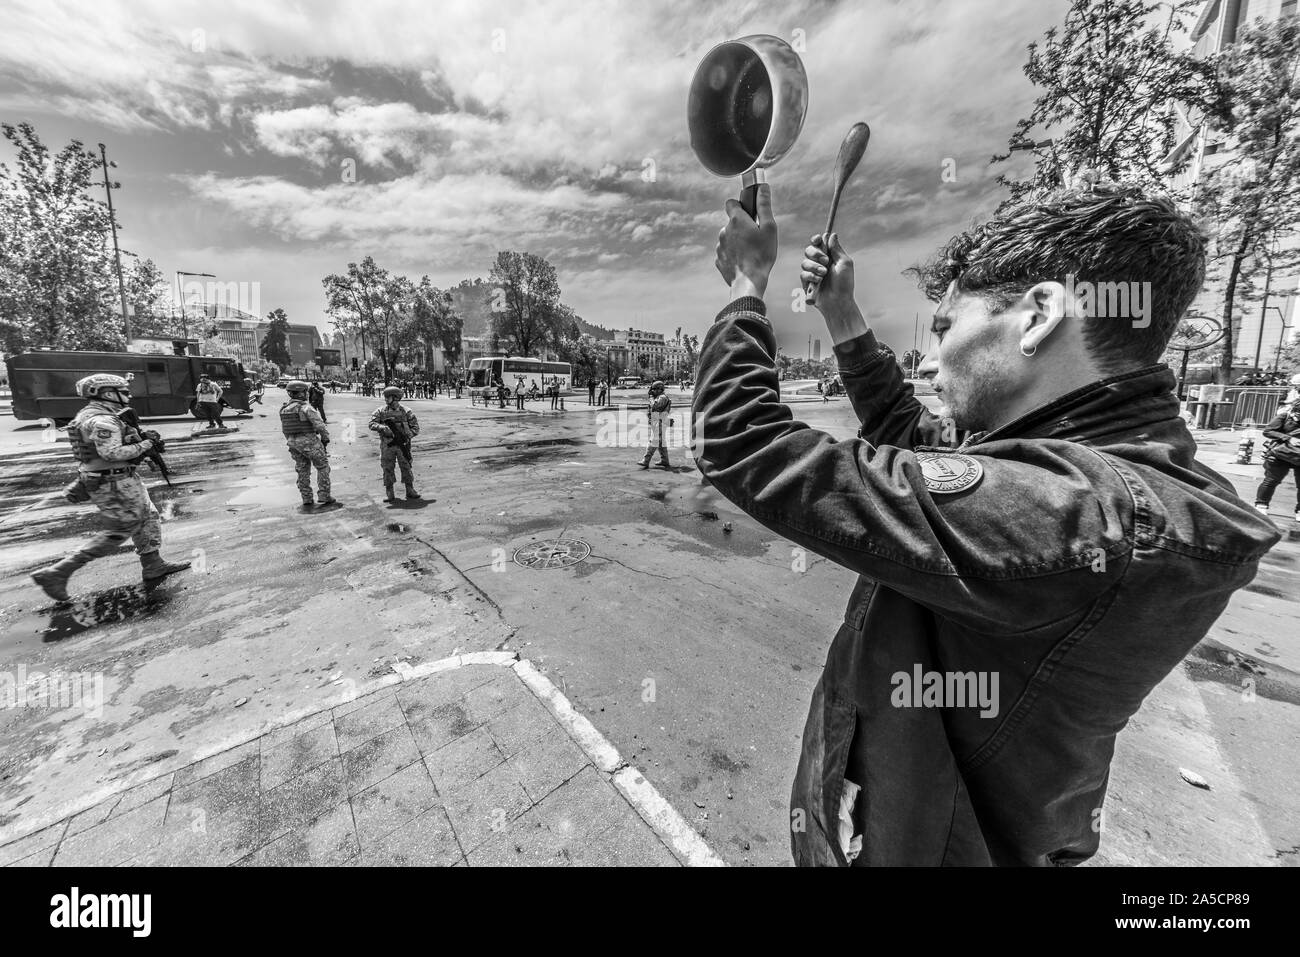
[[307, 450], [388, 456], [127, 512]]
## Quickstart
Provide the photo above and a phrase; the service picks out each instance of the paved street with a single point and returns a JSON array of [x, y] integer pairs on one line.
[[688, 636]]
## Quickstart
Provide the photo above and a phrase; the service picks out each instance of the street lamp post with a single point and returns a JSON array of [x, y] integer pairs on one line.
[[180, 292], [1277, 358], [1041, 144], [1268, 282], [117, 255]]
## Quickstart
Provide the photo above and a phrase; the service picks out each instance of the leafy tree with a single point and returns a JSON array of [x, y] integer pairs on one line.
[[266, 371], [472, 300], [374, 299], [147, 296], [431, 320], [275, 341], [692, 346], [587, 357], [526, 302], [1108, 78], [1251, 202], [214, 345], [57, 282]]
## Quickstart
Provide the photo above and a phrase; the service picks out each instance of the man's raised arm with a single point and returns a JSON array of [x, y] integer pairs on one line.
[[885, 405]]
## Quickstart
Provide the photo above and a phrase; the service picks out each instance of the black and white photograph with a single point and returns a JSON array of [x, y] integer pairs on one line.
[[598, 434]]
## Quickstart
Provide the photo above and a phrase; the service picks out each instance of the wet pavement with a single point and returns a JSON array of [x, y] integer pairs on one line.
[[690, 636]]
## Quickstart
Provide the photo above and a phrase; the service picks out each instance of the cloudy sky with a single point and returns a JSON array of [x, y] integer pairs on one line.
[[478, 126]]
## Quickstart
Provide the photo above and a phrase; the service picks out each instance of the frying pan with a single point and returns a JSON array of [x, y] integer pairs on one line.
[[746, 108]]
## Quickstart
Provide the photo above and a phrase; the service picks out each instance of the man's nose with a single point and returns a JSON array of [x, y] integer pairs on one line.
[[929, 367]]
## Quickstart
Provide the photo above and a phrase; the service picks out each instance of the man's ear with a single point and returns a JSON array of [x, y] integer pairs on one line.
[[1041, 309]]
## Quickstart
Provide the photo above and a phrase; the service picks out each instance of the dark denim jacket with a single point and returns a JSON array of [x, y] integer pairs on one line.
[[1091, 556]]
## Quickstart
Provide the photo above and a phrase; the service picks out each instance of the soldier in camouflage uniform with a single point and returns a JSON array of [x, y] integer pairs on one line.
[[307, 435], [108, 454], [396, 426], [658, 409]]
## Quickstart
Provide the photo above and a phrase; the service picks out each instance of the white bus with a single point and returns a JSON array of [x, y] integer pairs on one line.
[[483, 372]]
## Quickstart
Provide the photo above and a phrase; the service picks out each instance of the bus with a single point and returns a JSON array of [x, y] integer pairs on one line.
[[44, 383], [504, 369], [628, 382]]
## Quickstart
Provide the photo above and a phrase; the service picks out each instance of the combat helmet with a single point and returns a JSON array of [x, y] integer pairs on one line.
[[297, 385], [392, 390], [92, 385]]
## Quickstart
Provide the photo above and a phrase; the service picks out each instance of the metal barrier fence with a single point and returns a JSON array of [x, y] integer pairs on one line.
[[1252, 406]]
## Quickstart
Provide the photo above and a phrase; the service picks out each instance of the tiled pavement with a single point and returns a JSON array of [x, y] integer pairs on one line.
[[465, 766]]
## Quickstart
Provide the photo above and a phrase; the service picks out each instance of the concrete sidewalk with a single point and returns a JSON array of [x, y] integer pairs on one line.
[[475, 760]]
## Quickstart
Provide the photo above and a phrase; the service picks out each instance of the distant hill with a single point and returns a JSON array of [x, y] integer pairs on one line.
[[593, 330]]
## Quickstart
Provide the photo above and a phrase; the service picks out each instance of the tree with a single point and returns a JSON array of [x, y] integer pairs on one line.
[[587, 358], [692, 346], [274, 346], [57, 282], [472, 300], [1110, 77], [374, 299], [1252, 200], [526, 303], [214, 345], [148, 299], [432, 321]]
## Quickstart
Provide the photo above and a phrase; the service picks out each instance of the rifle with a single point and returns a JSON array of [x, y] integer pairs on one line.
[[403, 444], [131, 418]]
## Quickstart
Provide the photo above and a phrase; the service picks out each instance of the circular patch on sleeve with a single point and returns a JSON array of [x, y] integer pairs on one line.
[[948, 472]]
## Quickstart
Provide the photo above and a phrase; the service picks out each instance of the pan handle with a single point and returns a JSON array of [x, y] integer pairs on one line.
[[749, 191]]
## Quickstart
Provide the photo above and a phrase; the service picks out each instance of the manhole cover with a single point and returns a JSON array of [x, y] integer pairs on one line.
[[555, 553]]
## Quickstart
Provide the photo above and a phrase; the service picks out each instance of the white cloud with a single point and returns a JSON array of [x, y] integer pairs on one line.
[[540, 143]]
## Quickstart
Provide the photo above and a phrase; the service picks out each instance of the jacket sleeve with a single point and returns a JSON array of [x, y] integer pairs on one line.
[[412, 423], [883, 401], [375, 424], [107, 434], [1276, 430], [316, 421], [1027, 536]]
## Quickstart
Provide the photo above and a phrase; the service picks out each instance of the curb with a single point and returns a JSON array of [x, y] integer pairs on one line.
[[669, 826]]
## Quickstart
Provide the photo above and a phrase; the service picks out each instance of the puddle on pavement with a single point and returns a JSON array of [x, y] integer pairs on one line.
[[126, 603], [543, 443], [42, 525], [526, 455], [167, 493]]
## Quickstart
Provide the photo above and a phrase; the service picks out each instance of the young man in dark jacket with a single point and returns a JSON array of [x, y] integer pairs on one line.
[[1281, 455], [1019, 595]]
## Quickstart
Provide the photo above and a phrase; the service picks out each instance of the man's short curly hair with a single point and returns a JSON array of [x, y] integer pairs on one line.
[[1099, 234]]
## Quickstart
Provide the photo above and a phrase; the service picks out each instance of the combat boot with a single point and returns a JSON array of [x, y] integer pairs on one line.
[[411, 492], [155, 569], [54, 580], [389, 494]]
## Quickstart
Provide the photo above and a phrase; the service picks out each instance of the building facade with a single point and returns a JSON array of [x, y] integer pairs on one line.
[[653, 353], [1259, 328], [245, 333]]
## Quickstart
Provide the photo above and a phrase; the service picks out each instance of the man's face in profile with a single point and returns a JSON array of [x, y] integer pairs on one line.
[[975, 354]]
